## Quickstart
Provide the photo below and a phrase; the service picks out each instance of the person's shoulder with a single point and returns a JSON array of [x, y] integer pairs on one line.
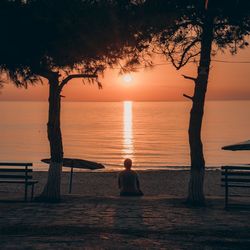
[[134, 172], [122, 172]]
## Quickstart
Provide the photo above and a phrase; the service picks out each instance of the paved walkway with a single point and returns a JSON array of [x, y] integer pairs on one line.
[[122, 223]]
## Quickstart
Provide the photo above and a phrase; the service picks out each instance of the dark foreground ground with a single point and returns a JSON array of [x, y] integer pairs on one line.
[[80, 222]]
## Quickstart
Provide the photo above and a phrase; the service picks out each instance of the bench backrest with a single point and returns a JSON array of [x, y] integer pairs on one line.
[[236, 174], [10, 170]]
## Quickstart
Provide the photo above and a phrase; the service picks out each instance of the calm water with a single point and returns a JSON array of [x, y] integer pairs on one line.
[[153, 134]]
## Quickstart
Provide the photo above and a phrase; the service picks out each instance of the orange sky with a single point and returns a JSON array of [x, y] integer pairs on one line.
[[162, 83]]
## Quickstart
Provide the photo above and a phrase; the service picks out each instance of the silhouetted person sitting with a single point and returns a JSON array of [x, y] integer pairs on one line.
[[128, 181]]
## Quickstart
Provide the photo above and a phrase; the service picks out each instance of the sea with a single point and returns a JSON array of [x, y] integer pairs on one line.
[[153, 134]]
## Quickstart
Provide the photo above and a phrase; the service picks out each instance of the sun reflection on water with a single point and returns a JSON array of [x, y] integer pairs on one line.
[[128, 147]]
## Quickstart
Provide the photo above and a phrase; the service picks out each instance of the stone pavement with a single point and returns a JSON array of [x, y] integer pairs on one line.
[[80, 222]]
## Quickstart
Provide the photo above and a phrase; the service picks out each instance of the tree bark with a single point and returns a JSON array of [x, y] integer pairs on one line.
[[195, 191], [51, 192]]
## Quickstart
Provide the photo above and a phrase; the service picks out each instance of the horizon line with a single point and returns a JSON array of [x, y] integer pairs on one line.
[[209, 100]]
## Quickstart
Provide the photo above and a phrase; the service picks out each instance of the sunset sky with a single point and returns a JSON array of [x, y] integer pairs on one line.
[[162, 83]]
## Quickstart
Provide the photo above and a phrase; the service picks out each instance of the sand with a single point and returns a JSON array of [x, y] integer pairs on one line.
[[168, 183], [153, 183]]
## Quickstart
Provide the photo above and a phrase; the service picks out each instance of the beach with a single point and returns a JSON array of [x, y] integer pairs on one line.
[[95, 217], [127, 223], [171, 183], [153, 183]]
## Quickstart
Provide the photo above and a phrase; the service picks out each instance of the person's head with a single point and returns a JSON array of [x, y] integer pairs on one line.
[[128, 163]]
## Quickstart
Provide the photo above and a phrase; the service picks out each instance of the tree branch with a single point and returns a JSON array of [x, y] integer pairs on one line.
[[190, 57], [189, 97], [182, 61], [70, 77], [190, 78], [169, 53], [186, 55]]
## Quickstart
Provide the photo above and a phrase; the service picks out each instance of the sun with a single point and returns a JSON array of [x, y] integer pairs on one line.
[[127, 78]]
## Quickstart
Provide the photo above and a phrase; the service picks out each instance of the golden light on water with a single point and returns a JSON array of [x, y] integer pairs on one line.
[[128, 147]]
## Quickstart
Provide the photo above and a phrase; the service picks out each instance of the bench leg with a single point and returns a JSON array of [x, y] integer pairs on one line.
[[226, 196], [26, 192], [32, 192], [70, 181]]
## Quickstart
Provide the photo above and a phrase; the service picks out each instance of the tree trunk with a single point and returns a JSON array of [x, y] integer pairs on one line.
[[51, 192], [195, 192]]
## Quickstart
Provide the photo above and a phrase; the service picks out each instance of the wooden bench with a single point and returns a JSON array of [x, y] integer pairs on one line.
[[234, 177], [18, 173]]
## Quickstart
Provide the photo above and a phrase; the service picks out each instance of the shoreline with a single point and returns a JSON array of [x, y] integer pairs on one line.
[[140, 169]]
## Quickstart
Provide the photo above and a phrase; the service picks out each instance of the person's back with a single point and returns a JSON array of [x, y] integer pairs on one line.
[[128, 181]]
